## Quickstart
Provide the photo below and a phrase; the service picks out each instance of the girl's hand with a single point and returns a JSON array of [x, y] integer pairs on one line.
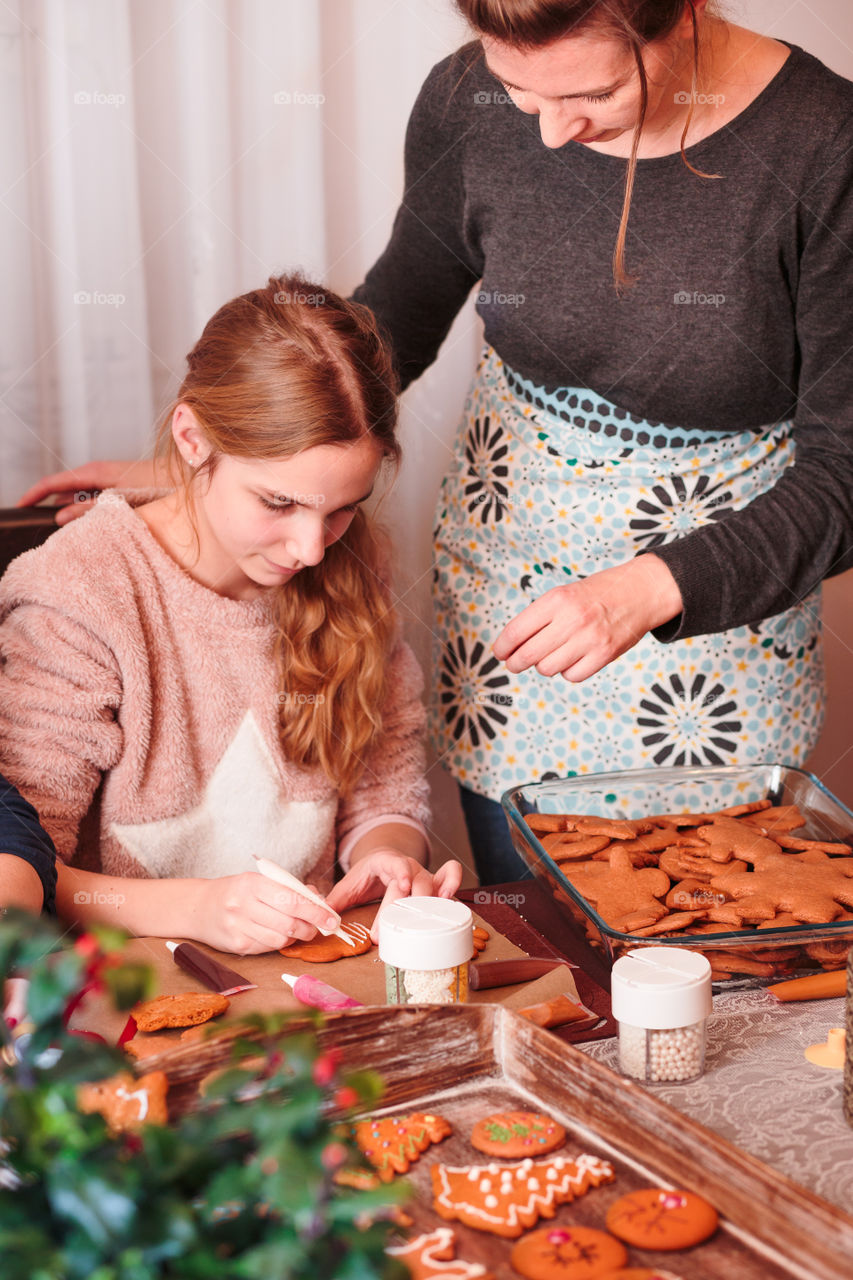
[[393, 876], [577, 629], [249, 914], [75, 490]]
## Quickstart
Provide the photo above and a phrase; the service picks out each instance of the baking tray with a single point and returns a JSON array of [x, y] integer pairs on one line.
[[636, 793], [464, 1062]]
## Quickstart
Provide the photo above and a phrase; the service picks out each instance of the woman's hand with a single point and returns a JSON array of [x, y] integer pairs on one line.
[[392, 875], [75, 490], [249, 914], [577, 629]]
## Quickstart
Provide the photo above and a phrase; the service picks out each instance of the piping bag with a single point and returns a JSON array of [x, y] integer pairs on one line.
[[216, 976], [317, 994]]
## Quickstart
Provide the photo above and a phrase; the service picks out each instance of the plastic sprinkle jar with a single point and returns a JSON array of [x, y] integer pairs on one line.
[[426, 944], [661, 999]]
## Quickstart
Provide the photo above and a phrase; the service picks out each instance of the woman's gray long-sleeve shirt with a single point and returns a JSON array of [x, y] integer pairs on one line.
[[741, 316]]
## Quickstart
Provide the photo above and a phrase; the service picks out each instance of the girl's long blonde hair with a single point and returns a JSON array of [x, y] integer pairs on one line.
[[532, 24], [277, 371]]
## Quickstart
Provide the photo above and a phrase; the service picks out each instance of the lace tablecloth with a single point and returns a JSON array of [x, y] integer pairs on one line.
[[761, 1093]]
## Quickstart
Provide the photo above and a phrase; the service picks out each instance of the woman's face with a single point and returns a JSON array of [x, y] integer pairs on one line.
[[586, 88], [259, 521]]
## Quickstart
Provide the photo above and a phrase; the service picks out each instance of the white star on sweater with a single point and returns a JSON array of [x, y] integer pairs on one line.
[[240, 814]]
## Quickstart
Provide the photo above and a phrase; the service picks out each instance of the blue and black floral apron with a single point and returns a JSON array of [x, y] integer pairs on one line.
[[547, 488]]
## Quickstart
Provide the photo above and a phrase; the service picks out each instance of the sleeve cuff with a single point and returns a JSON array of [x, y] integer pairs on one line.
[[352, 838]]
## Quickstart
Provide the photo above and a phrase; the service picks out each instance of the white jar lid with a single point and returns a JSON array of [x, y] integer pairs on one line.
[[661, 987], [425, 933]]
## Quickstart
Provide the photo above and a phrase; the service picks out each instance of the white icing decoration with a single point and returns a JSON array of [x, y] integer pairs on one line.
[[139, 1095]]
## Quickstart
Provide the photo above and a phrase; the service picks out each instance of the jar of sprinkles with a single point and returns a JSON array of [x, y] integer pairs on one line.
[[661, 1000], [426, 944]]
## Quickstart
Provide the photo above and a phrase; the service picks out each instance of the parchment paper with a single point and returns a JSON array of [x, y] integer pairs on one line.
[[362, 977]]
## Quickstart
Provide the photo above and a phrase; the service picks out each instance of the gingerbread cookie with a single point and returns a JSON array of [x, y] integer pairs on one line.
[[125, 1102], [625, 896], [146, 1046], [811, 886], [508, 1200], [187, 1009], [512, 1134], [321, 950], [433, 1255], [639, 1273], [567, 1253], [393, 1143], [655, 1218]]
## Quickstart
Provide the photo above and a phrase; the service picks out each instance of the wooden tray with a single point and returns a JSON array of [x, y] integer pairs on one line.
[[465, 1061]]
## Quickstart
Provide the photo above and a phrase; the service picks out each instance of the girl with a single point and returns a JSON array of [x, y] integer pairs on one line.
[[217, 672]]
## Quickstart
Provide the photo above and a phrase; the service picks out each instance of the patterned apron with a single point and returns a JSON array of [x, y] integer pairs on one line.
[[547, 488]]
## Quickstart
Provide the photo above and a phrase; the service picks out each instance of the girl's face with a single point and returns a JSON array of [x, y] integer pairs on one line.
[[585, 88], [259, 521]]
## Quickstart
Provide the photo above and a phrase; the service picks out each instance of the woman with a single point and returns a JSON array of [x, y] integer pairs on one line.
[[653, 472], [216, 673]]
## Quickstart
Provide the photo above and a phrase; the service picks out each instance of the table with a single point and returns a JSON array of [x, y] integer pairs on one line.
[[759, 1091]]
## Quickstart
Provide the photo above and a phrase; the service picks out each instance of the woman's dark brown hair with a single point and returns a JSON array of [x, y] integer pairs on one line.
[[276, 371], [532, 24]]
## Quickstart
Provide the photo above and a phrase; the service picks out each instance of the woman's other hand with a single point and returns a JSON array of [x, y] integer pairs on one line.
[[392, 875], [76, 489], [577, 629]]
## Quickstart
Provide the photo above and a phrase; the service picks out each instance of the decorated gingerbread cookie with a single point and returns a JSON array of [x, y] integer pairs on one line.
[[567, 1253], [639, 1273], [507, 1200], [513, 1134], [321, 950], [393, 1143], [125, 1102], [187, 1009], [433, 1255], [655, 1218]]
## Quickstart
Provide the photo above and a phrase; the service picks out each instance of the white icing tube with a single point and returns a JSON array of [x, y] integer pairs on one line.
[[274, 872]]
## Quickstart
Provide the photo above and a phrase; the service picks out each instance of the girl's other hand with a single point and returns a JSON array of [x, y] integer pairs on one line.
[[76, 489], [392, 875], [581, 627], [249, 914]]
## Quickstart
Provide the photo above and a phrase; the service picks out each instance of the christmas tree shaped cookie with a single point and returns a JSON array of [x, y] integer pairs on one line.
[[508, 1200], [393, 1143]]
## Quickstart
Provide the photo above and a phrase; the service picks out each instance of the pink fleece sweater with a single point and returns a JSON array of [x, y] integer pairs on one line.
[[138, 714]]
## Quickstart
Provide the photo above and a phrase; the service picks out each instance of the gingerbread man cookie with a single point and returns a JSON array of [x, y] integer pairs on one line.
[[393, 1143], [125, 1102], [625, 896], [508, 1200], [812, 886], [433, 1255]]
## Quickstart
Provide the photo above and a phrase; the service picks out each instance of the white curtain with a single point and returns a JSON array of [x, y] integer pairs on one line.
[[163, 155], [160, 156]]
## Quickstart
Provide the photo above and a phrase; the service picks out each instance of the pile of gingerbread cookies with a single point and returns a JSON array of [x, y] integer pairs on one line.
[[509, 1198], [735, 869]]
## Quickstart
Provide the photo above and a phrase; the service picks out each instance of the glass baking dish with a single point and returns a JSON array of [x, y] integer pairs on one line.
[[744, 957]]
